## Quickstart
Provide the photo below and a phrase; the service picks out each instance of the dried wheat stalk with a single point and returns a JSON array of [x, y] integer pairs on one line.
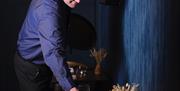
[[98, 55]]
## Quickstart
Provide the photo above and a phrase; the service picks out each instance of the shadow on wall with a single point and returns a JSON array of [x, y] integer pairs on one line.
[[81, 38], [82, 34]]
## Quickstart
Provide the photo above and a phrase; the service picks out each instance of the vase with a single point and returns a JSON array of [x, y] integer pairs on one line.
[[98, 70]]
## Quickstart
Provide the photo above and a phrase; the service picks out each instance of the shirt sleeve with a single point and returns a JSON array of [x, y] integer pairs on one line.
[[52, 40]]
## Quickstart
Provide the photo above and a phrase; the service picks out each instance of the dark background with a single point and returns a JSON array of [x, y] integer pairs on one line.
[[141, 50]]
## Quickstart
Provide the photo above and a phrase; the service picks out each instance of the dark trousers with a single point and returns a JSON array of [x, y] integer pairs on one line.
[[32, 77]]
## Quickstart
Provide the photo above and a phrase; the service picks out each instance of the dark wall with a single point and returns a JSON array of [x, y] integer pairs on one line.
[[12, 15]]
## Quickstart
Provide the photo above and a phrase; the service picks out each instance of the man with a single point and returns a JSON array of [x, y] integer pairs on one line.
[[41, 46]]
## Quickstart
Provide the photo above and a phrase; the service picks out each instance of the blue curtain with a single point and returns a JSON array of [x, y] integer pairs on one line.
[[144, 47], [150, 40]]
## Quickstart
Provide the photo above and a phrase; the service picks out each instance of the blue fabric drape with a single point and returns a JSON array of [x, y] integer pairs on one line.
[[145, 47], [147, 40], [144, 42]]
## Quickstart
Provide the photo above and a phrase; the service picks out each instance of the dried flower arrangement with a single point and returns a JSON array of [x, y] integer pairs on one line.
[[127, 87], [98, 55]]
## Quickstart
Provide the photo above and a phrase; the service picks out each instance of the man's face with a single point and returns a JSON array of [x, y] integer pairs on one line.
[[71, 3]]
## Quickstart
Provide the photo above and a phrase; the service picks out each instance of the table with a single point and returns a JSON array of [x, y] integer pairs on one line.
[[91, 82]]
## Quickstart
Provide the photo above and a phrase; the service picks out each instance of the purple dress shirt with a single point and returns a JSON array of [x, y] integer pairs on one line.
[[42, 38]]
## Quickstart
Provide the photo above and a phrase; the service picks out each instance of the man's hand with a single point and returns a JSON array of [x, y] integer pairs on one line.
[[74, 89]]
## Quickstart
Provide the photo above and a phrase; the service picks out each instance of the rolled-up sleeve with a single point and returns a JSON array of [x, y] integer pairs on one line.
[[52, 42]]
